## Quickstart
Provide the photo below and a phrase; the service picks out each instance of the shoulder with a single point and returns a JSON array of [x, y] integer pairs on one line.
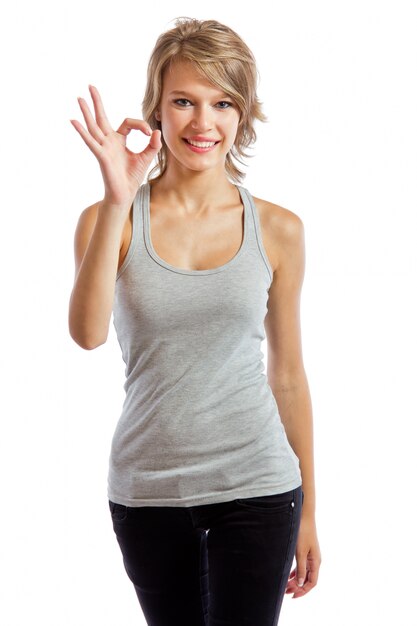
[[86, 223], [282, 229], [280, 221], [90, 213]]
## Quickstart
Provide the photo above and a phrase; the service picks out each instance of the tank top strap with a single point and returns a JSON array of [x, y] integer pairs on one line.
[[137, 229], [254, 240]]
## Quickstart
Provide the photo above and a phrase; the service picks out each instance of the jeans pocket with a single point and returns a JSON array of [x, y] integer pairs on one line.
[[275, 503], [118, 511]]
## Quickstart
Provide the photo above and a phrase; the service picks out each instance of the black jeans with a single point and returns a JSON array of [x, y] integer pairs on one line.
[[222, 564]]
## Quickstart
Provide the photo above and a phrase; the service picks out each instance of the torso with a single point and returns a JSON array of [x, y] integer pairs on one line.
[[179, 241]]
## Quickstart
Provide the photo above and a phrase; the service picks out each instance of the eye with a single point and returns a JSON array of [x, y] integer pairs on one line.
[[181, 100], [229, 104]]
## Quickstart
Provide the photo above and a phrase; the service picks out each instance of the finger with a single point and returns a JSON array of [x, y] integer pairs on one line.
[[309, 584], [292, 588], [89, 140], [301, 576], [301, 570], [292, 582], [154, 144], [299, 591], [101, 116], [130, 123], [291, 577], [312, 576], [95, 130]]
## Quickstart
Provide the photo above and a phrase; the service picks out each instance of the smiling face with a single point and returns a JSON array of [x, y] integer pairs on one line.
[[192, 108]]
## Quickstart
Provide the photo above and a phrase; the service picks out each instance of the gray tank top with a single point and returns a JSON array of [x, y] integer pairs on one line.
[[199, 422]]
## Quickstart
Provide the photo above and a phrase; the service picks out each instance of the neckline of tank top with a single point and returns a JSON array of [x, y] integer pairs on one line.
[[179, 270]]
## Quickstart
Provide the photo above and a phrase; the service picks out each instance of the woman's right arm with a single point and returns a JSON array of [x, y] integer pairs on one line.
[[97, 243], [99, 233]]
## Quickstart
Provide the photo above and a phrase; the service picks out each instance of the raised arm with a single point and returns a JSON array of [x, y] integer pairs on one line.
[[100, 228]]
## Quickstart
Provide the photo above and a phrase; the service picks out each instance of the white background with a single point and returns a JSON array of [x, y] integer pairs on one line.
[[338, 83]]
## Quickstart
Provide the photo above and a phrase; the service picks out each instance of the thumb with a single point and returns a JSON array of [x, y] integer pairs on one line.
[[301, 576], [154, 145]]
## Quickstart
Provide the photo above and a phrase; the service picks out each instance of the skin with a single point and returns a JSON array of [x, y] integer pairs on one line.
[[194, 202]]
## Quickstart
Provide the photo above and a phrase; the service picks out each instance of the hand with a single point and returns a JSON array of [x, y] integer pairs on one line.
[[308, 557], [123, 170]]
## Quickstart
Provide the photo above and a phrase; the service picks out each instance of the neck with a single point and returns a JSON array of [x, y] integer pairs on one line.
[[194, 191]]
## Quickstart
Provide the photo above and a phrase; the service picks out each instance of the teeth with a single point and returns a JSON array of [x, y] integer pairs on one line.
[[201, 144]]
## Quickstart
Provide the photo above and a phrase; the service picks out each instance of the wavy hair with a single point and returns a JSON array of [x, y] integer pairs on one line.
[[222, 57]]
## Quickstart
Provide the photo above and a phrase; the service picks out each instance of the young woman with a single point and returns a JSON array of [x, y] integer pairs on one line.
[[211, 481]]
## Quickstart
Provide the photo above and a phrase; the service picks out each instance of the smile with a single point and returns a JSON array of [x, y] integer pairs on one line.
[[201, 146]]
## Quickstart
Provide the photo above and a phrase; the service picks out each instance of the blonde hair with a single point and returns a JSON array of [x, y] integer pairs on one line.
[[221, 56]]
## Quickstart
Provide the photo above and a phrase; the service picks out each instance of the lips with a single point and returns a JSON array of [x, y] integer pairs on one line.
[[202, 148], [202, 138], [200, 143]]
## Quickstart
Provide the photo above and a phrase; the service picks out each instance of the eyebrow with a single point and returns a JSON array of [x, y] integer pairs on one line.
[[185, 93]]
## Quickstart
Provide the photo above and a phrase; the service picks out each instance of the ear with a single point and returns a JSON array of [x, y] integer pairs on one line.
[[157, 116]]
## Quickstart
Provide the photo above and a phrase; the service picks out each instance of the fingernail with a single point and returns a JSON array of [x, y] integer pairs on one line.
[[300, 582]]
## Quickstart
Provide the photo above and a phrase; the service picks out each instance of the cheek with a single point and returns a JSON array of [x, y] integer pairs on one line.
[[234, 122], [232, 129], [175, 122]]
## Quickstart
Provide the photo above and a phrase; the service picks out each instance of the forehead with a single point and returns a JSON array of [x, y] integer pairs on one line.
[[182, 77]]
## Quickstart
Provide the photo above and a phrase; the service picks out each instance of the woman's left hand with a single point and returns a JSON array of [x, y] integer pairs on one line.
[[308, 557]]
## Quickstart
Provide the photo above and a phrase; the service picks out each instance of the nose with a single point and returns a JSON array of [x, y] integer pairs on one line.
[[202, 118]]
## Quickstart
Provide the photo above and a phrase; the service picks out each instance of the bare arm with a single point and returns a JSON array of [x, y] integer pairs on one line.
[[288, 381], [97, 243], [99, 233], [285, 371]]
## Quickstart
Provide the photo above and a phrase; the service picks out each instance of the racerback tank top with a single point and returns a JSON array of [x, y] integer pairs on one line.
[[199, 422]]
